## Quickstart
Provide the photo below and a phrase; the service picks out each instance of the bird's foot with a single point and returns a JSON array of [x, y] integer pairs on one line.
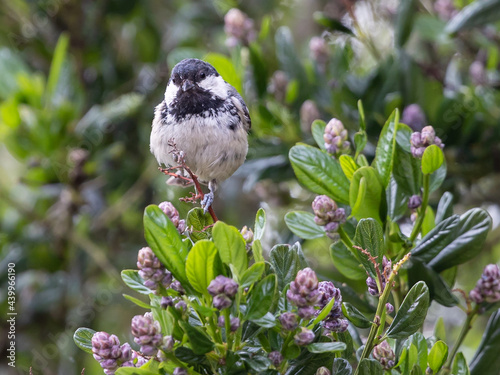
[[207, 201]]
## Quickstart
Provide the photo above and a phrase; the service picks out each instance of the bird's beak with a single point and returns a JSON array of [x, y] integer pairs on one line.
[[187, 85]]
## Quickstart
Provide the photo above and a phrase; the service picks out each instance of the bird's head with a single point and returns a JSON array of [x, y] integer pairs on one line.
[[193, 77]]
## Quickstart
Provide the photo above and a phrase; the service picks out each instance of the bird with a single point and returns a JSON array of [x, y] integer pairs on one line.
[[208, 121]]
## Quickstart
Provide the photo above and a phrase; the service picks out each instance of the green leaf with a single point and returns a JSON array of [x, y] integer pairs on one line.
[[345, 262], [149, 368], [386, 145], [288, 56], [412, 312], [445, 207], [132, 279], [418, 340], [438, 177], [225, 68], [319, 172], [355, 316], [302, 224], [341, 367], [370, 367], [267, 321], [397, 201], [437, 356], [200, 265], [199, 224], [460, 365], [199, 340], [360, 141], [438, 288], [137, 301], [486, 361], [285, 262], [477, 13], [323, 347], [330, 23], [440, 329], [165, 241], [404, 23], [83, 339], [262, 298], [348, 166], [322, 314], [369, 236], [257, 251], [429, 220], [362, 121], [318, 130], [467, 242], [432, 159], [231, 246], [252, 274], [57, 64], [260, 224], [365, 194]]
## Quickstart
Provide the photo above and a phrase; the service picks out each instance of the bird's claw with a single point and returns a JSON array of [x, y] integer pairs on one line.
[[207, 201]]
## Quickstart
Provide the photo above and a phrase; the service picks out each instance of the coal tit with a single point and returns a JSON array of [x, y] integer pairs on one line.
[[208, 121]]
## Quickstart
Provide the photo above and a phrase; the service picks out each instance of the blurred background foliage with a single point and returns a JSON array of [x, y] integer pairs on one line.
[[78, 83]]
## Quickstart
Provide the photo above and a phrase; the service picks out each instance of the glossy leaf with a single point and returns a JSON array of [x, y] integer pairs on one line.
[[404, 22], [432, 159], [319, 172], [252, 274], [200, 342], [437, 356], [326, 347], [149, 368], [397, 201], [260, 224], [257, 251], [231, 246], [200, 265], [477, 13], [355, 316], [411, 313], [467, 241], [445, 208], [486, 361], [420, 343], [429, 221], [365, 194], [199, 224], [302, 224], [267, 321], [360, 142], [165, 241], [133, 280], [348, 165], [370, 367], [83, 339], [318, 130], [345, 262], [438, 288], [137, 301], [341, 367], [460, 365], [406, 172], [286, 264], [262, 298], [322, 314], [384, 153], [369, 236]]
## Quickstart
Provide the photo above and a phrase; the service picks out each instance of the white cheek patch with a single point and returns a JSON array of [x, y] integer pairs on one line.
[[215, 85], [170, 93]]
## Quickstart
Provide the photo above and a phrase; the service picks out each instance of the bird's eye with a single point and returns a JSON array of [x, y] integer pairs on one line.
[[202, 75], [176, 79]]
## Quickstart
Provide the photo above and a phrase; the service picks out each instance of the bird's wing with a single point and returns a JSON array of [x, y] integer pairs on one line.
[[241, 107], [161, 112]]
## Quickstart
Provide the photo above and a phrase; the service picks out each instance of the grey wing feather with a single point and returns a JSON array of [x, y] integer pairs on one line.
[[241, 106]]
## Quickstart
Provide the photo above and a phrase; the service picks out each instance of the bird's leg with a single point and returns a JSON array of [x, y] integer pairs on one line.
[[208, 199]]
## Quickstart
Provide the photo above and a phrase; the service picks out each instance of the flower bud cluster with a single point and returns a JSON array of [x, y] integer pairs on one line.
[[239, 28], [108, 352], [372, 283], [327, 214], [318, 50], [279, 85], [304, 293], [336, 138], [223, 289], [414, 117], [247, 234], [334, 321], [487, 288], [172, 213], [304, 337], [322, 371], [385, 355], [414, 202], [421, 140], [289, 321], [151, 270], [276, 358], [147, 333]]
